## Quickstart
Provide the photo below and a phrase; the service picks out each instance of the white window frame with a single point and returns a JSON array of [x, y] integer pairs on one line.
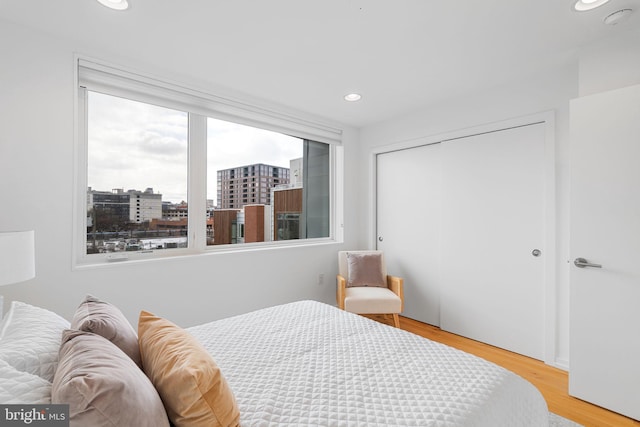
[[96, 75]]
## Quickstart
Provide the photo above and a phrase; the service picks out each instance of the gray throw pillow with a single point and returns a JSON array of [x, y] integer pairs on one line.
[[102, 385], [106, 320], [365, 270]]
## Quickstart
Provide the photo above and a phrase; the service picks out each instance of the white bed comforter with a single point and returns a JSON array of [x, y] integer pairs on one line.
[[310, 364]]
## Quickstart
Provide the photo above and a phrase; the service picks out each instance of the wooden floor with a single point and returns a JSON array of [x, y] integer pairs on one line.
[[552, 382]]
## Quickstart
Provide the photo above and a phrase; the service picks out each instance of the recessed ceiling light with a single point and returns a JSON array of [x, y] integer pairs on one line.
[[115, 4], [352, 97], [583, 5], [617, 17]]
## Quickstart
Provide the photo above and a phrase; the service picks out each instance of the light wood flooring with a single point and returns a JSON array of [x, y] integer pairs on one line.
[[552, 382]]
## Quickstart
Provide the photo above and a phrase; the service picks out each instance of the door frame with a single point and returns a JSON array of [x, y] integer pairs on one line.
[[551, 262]]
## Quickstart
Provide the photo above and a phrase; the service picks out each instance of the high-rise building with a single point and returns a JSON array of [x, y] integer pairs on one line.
[[248, 185]]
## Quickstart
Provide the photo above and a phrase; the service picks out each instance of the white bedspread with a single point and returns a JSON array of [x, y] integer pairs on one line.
[[308, 363]]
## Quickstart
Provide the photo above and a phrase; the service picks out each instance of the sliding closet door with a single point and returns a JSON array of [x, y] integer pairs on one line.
[[492, 235], [408, 225]]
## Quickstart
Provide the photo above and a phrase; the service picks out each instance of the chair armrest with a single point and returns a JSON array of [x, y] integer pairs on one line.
[[396, 284], [341, 287]]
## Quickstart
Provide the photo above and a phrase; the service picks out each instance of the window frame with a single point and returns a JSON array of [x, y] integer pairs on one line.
[[98, 76]]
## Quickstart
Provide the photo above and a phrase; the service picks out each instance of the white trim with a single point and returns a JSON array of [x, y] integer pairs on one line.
[[551, 309], [177, 254], [546, 117], [78, 248], [101, 77], [561, 364], [197, 183], [337, 189]]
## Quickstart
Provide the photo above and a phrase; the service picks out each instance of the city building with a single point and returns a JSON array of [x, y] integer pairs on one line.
[[225, 227], [287, 213], [175, 211], [119, 206], [249, 185]]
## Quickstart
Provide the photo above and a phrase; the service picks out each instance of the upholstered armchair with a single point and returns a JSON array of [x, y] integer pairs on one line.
[[363, 286]]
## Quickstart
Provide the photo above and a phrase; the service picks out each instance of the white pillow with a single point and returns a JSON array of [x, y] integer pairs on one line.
[[21, 387], [30, 339]]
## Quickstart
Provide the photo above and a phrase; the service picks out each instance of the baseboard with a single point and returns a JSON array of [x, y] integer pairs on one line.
[[561, 364]]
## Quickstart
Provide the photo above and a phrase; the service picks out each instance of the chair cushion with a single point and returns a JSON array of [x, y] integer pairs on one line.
[[371, 300], [365, 270]]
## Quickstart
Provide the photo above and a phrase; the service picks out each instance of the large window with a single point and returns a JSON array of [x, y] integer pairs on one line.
[[166, 170]]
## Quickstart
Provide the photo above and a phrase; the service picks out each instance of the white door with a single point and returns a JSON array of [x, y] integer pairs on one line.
[[408, 216], [492, 238], [605, 230]]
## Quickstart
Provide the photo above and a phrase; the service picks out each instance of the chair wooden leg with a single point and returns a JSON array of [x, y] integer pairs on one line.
[[396, 320]]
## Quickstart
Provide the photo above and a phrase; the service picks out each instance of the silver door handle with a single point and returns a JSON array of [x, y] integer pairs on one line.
[[582, 263]]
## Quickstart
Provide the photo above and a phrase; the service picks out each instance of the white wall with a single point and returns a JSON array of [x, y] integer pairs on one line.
[[36, 179], [609, 64]]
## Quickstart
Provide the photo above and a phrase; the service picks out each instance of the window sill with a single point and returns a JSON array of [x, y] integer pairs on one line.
[[101, 261]]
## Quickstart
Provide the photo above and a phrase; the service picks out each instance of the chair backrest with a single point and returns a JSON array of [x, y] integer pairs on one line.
[[343, 269]]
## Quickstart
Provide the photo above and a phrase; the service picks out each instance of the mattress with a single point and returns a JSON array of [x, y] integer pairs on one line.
[[308, 363]]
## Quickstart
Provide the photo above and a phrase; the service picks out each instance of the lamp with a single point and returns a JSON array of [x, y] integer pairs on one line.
[[17, 257]]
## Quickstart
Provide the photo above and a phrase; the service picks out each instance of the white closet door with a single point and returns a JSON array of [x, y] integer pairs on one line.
[[605, 230], [492, 235], [408, 225]]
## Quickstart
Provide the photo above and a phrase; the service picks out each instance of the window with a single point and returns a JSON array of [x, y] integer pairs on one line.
[[161, 167], [253, 153], [134, 148]]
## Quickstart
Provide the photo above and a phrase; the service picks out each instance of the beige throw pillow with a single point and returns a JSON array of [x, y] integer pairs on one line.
[[194, 392], [365, 270]]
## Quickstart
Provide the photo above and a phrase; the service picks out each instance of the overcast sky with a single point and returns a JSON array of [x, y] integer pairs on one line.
[[133, 145]]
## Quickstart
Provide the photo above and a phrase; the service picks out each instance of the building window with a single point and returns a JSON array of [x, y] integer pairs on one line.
[[288, 226], [178, 154]]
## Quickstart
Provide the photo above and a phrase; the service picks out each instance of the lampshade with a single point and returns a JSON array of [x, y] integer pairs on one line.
[[17, 260]]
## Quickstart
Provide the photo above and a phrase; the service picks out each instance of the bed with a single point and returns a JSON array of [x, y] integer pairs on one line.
[[310, 364]]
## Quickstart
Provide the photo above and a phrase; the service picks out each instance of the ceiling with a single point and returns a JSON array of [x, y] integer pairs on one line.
[[401, 55]]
